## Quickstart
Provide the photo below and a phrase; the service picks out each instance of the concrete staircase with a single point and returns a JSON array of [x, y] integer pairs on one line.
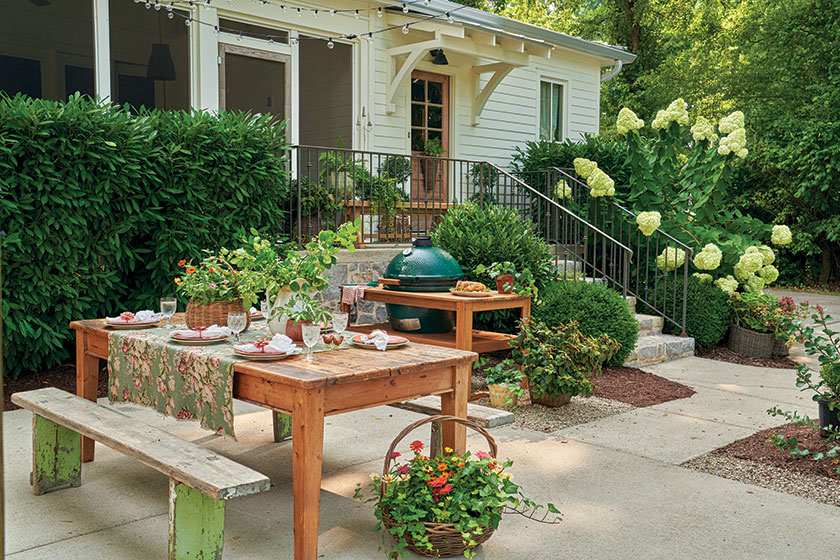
[[653, 347]]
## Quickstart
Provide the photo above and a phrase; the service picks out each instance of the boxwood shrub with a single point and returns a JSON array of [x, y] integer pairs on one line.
[[707, 316], [597, 309], [97, 206]]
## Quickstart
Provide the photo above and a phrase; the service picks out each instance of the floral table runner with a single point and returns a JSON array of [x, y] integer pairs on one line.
[[187, 382]]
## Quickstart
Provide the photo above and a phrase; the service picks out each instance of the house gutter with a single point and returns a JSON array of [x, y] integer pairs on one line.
[[610, 74]]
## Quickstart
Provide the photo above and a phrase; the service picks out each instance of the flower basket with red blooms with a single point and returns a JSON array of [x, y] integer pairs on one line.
[[448, 505], [214, 289]]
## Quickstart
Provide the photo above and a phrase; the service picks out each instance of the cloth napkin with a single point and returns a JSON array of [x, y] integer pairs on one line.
[[212, 331], [352, 293], [377, 338], [144, 316], [280, 344]]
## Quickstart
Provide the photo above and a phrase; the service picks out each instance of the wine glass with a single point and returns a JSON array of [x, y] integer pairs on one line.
[[265, 309], [237, 321], [340, 321], [311, 334], [168, 307]]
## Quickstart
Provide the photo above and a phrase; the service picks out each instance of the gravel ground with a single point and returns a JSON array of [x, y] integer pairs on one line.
[[579, 411], [814, 487]]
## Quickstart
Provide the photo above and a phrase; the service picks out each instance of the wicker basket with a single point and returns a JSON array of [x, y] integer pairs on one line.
[[780, 348], [215, 312], [750, 343], [445, 539]]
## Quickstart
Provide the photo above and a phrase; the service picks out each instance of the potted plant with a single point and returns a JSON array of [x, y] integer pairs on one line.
[[433, 172], [336, 171], [508, 280], [754, 326], [397, 168], [214, 289], [504, 381], [484, 178], [316, 202], [560, 362], [447, 505], [304, 309], [788, 313]]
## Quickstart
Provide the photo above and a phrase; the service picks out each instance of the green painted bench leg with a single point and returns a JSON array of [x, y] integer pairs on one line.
[[56, 457], [196, 524], [282, 426]]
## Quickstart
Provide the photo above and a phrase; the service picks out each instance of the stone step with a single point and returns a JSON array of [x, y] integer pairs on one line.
[[568, 267], [649, 324], [631, 303], [658, 348]]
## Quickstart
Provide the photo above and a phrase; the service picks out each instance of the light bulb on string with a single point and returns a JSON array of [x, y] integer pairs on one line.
[[282, 7], [315, 14], [187, 22], [239, 37], [157, 6], [136, 1], [169, 14], [270, 40], [356, 15], [405, 29], [378, 12], [405, 8], [449, 18], [148, 5], [370, 38], [330, 44], [299, 13], [332, 12], [427, 2], [216, 30]]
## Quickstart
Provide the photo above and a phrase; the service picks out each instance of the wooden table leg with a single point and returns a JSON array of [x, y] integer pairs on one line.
[[87, 383], [463, 327], [455, 404], [526, 310], [307, 451]]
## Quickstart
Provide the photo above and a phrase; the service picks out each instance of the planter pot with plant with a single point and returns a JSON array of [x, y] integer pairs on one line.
[[753, 331], [433, 168], [560, 362], [508, 280], [214, 289], [504, 381], [303, 309]]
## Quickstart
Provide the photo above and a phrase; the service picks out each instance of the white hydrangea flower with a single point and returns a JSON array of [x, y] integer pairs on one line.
[[648, 222], [751, 262], [627, 121], [781, 235], [562, 190], [703, 130], [703, 277], [767, 254], [734, 143], [708, 258], [676, 112], [585, 167], [752, 249], [769, 273], [728, 284], [601, 184], [731, 122], [670, 258], [741, 273], [755, 285]]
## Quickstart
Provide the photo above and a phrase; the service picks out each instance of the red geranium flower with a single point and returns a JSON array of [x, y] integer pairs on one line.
[[446, 489]]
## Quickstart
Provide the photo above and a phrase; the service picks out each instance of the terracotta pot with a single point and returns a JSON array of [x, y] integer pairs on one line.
[[295, 332], [546, 400], [501, 395], [501, 281]]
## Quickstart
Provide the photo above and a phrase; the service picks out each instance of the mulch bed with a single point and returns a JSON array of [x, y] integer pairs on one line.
[[757, 448], [724, 354], [63, 377], [639, 388]]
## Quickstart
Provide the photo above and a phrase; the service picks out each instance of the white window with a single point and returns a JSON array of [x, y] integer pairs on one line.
[[551, 111]]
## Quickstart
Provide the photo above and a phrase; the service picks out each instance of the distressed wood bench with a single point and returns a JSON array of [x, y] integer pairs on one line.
[[200, 481]]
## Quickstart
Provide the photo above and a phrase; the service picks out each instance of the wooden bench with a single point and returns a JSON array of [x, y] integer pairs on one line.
[[200, 481]]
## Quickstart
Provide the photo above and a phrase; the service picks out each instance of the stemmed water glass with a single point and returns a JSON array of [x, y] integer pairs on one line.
[[311, 334], [168, 307], [340, 321], [237, 321], [265, 309]]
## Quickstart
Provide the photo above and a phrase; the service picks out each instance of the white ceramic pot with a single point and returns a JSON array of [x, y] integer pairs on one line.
[[278, 324]]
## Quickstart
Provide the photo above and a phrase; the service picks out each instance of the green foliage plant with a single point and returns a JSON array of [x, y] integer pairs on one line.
[[523, 281], [433, 147], [505, 373], [560, 360], [468, 491], [708, 315], [304, 308], [397, 168], [98, 205], [757, 312], [212, 280], [598, 310]]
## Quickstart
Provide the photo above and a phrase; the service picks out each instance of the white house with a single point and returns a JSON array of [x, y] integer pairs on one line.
[[372, 75]]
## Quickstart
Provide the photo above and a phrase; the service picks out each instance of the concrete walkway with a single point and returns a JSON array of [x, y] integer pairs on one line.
[[617, 480], [831, 303]]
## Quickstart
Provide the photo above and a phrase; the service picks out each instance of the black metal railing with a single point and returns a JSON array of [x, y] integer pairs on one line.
[[657, 290]]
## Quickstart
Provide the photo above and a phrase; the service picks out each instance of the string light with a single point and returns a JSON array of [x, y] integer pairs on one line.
[[157, 6], [356, 15], [449, 18], [170, 14], [405, 29], [239, 37], [187, 22], [378, 11], [330, 44], [405, 8], [315, 14], [332, 12], [299, 13]]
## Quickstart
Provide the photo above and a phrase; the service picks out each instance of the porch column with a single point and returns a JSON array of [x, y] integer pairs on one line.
[[101, 50]]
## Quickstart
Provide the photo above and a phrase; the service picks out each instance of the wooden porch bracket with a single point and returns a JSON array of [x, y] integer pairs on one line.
[[480, 95]]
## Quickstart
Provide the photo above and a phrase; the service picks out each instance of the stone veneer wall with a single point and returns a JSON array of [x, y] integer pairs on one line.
[[360, 267]]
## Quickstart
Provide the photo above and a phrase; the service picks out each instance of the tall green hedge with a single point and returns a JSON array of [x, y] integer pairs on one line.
[[97, 206]]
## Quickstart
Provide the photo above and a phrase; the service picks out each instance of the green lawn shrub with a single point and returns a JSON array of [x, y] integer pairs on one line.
[[707, 314], [597, 309], [98, 205]]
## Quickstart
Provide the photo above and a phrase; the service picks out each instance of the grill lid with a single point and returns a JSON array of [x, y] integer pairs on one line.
[[424, 265]]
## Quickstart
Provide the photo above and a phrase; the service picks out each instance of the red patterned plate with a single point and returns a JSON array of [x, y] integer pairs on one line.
[[393, 342], [121, 325], [265, 356]]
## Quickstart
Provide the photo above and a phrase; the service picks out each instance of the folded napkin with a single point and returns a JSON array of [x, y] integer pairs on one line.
[[350, 294], [145, 316], [280, 344], [213, 331], [377, 338]]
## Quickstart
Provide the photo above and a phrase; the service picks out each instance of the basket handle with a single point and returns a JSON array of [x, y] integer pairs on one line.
[[223, 261], [437, 418]]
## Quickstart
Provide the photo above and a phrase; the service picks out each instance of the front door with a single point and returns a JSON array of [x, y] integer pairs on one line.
[[254, 80], [429, 129]]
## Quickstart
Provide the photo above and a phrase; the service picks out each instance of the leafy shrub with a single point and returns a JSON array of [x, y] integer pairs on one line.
[[477, 234], [707, 315], [396, 167], [597, 309], [97, 206], [560, 360]]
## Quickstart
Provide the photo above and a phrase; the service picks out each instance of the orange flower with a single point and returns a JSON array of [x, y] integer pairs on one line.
[[190, 270], [211, 269], [445, 490], [442, 467], [177, 281], [182, 262], [460, 465]]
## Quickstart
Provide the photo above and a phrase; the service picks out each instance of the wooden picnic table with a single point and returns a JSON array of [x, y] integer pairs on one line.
[[337, 381], [464, 337]]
